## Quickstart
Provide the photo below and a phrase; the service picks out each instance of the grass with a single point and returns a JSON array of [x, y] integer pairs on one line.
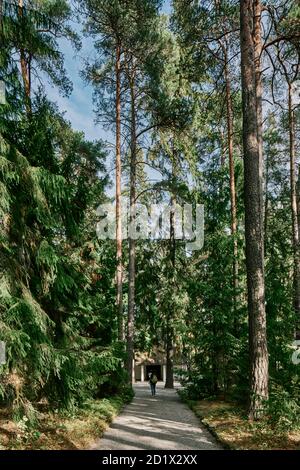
[[230, 425], [59, 431]]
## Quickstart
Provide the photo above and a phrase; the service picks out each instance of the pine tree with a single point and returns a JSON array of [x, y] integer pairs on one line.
[[253, 216]]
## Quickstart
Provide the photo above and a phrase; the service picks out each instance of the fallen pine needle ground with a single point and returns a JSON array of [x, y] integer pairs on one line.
[[230, 425], [59, 431]]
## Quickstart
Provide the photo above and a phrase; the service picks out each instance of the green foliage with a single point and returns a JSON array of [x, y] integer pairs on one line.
[[47, 296], [284, 410], [53, 310], [57, 281]]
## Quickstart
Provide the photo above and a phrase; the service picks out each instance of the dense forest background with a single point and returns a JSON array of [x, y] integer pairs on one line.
[[205, 102]]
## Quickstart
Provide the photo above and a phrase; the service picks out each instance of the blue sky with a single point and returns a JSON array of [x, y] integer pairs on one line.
[[78, 107]]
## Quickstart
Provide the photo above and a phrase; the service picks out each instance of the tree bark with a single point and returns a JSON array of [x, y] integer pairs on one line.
[[1, 14], [169, 343], [169, 366], [257, 10], [253, 190], [119, 274], [25, 63], [298, 199], [298, 206], [294, 197], [266, 202], [294, 208], [132, 241], [232, 187]]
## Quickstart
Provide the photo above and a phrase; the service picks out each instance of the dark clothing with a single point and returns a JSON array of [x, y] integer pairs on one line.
[[152, 381], [153, 388]]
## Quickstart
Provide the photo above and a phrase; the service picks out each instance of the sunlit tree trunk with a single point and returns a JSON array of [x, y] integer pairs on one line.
[[298, 199], [132, 241], [294, 207], [232, 185], [266, 201], [253, 190], [25, 63], [169, 330], [257, 11], [298, 206], [119, 300]]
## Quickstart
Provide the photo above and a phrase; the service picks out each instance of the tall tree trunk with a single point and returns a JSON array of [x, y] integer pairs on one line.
[[1, 14], [119, 299], [169, 363], [266, 202], [298, 206], [25, 62], [169, 343], [298, 198], [253, 189], [257, 10], [132, 241], [232, 187], [294, 208]]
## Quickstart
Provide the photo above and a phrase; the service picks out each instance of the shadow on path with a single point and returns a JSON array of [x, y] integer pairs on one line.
[[153, 423]]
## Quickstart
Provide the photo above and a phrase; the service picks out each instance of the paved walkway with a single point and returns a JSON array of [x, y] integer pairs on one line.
[[153, 423]]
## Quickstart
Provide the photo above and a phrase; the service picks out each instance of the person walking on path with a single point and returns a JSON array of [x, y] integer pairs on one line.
[[153, 381]]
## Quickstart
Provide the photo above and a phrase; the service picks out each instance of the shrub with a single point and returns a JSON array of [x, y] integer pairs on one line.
[[284, 410]]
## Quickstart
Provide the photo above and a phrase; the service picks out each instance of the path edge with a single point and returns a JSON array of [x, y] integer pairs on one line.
[[213, 432]]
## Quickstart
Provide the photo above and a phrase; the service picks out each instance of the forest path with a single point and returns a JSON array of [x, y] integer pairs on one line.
[[153, 423]]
